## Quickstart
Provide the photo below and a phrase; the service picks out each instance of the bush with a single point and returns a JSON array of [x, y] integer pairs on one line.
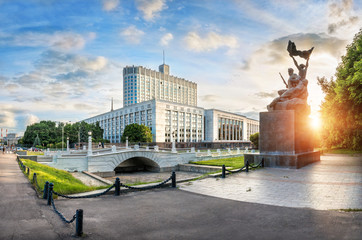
[[59, 145], [254, 138]]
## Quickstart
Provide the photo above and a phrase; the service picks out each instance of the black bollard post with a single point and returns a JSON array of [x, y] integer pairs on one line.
[[262, 162], [173, 177], [223, 171], [117, 186], [247, 166], [50, 194], [34, 178], [79, 223], [27, 170], [45, 192]]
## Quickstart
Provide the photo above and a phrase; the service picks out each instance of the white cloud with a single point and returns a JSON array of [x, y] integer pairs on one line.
[[211, 41], [150, 8], [91, 64], [109, 5], [7, 118], [63, 41], [61, 75], [166, 39], [67, 41], [342, 20], [132, 34], [31, 119]]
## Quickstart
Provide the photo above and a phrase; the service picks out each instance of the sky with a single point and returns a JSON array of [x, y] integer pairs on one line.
[[63, 60]]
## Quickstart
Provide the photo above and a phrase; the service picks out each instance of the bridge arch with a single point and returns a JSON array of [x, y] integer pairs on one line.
[[137, 163]]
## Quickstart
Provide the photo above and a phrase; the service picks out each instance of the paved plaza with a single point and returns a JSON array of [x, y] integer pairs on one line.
[[333, 183]]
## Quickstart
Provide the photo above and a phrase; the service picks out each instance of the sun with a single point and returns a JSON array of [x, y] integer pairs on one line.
[[315, 122]]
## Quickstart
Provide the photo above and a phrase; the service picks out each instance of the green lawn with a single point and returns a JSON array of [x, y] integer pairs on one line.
[[341, 151], [234, 162], [30, 153], [63, 181]]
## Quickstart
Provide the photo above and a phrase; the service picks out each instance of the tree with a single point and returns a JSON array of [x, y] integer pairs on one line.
[[49, 133], [341, 110], [36, 141], [254, 138], [46, 131], [137, 133]]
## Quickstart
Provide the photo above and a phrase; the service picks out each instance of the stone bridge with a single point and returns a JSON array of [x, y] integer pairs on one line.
[[104, 162]]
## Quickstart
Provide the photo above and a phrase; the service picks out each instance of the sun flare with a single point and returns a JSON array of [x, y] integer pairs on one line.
[[315, 122]]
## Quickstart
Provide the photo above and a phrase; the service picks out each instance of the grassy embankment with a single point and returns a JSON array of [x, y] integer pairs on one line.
[[233, 162], [63, 181]]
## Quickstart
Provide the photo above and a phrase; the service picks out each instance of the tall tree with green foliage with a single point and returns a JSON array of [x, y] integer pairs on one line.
[[51, 133], [254, 138], [36, 141], [341, 110], [137, 133]]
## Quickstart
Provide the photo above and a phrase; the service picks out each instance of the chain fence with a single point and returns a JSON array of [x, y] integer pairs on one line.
[[78, 217], [85, 196], [147, 187], [244, 168], [261, 164], [60, 214]]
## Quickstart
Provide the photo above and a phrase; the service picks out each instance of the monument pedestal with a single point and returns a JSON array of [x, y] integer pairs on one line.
[[285, 140]]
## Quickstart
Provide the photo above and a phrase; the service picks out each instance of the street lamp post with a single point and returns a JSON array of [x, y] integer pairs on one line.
[[79, 139], [89, 143], [62, 137]]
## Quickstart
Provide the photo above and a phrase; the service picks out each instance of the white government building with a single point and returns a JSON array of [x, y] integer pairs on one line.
[[168, 105]]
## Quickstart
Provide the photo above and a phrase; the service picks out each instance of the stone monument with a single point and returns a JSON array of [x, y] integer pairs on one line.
[[285, 138]]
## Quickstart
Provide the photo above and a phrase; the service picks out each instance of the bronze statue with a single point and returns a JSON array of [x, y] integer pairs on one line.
[[295, 96]]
